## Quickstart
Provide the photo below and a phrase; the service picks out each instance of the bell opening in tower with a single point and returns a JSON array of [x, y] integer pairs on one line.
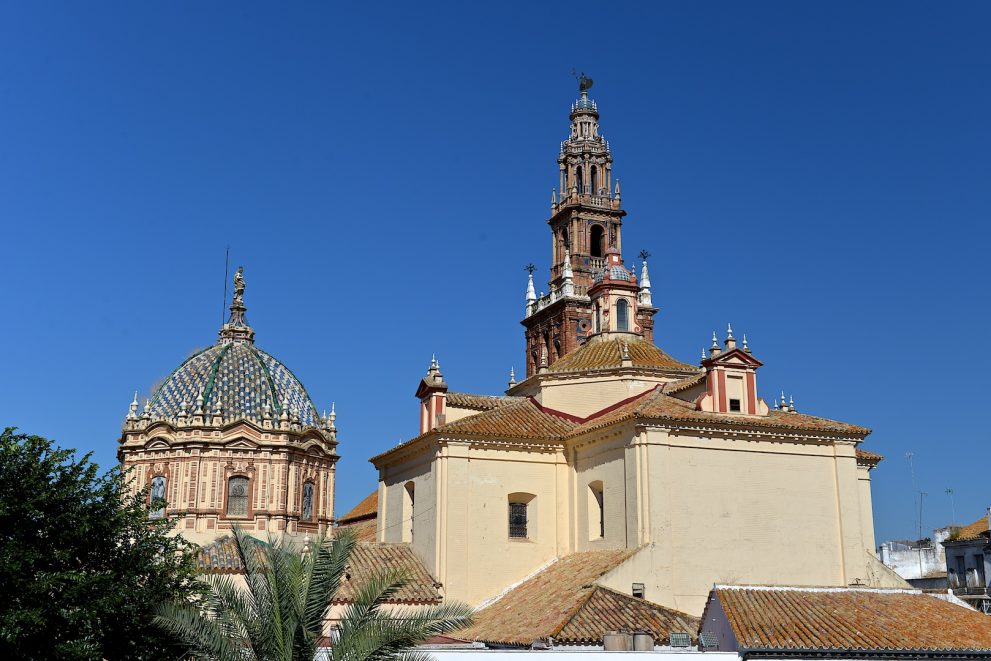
[[595, 241]]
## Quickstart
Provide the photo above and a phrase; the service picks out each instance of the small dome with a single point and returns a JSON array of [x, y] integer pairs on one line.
[[615, 273], [239, 376]]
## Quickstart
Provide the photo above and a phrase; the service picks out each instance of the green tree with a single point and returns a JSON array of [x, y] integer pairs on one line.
[[281, 614], [82, 568]]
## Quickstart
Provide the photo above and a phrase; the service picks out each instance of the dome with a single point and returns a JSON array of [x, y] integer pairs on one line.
[[236, 377], [614, 273], [244, 380]]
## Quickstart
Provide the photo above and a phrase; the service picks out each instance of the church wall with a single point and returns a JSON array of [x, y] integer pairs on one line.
[[585, 396], [604, 462], [866, 507], [478, 557], [396, 525], [736, 511]]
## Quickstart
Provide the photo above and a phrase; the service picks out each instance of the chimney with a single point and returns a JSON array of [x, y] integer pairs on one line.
[[432, 395]]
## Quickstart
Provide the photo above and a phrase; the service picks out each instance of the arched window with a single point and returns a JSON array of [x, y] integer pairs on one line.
[[622, 315], [595, 241], [307, 509], [580, 179], [157, 497], [237, 496], [409, 510], [596, 511], [565, 239], [594, 188], [521, 515]]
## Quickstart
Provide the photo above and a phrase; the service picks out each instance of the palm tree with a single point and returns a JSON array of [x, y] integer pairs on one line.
[[281, 614]]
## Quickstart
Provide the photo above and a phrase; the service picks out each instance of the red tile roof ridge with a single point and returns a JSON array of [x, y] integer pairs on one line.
[[817, 588], [366, 508], [592, 416]]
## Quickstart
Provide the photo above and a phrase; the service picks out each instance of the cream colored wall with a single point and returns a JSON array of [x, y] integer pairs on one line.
[[603, 461], [477, 558], [722, 510], [866, 508], [588, 395], [394, 525]]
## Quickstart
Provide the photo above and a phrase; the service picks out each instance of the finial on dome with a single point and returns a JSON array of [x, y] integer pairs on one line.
[[147, 412], [531, 295], [791, 403], [199, 401], [237, 328], [512, 377], [714, 349], [745, 346], [616, 195], [132, 410], [703, 355], [332, 418]]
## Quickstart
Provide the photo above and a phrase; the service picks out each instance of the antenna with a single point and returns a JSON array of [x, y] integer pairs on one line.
[[953, 507], [227, 261]]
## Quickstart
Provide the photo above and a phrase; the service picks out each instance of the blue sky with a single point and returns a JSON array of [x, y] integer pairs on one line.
[[383, 173]]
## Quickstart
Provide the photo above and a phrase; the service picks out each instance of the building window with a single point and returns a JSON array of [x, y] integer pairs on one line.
[[594, 188], [596, 511], [622, 315], [580, 176], [598, 320], [237, 496], [157, 497], [734, 405], [307, 508], [517, 520]]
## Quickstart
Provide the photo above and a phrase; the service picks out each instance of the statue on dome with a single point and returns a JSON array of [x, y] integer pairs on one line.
[[239, 285]]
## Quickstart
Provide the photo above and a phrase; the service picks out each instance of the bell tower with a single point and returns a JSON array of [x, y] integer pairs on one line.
[[586, 226]]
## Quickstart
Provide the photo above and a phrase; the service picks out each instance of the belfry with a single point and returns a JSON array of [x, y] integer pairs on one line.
[[590, 288]]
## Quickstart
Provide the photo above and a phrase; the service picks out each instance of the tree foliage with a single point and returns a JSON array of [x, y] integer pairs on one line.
[[82, 568], [281, 614]]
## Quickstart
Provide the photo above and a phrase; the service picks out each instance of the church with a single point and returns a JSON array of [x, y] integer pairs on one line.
[[610, 473]]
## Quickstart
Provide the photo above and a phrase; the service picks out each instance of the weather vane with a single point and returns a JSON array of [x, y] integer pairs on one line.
[[584, 82], [530, 268], [644, 255]]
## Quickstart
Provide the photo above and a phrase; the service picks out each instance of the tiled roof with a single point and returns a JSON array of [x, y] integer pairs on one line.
[[840, 619], [519, 419], [685, 384], [367, 559], [563, 602], [221, 557], [365, 530], [975, 530], [868, 458], [659, 406], [608, 610], [606, 352], [367, 508], [464, 400]]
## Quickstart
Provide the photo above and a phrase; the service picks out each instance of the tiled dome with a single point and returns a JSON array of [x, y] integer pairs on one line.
[[239, 376], [236, 376]]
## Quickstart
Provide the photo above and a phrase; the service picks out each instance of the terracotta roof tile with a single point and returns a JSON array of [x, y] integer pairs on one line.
[[367, 559], [685, 384], [659, 406], [838, 619], [608, 610], [364, 530], [549, 601], [975, 530], [464, 400], [607, 352], [519, 419], [367, 508], [868, 458], [221, 557]]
